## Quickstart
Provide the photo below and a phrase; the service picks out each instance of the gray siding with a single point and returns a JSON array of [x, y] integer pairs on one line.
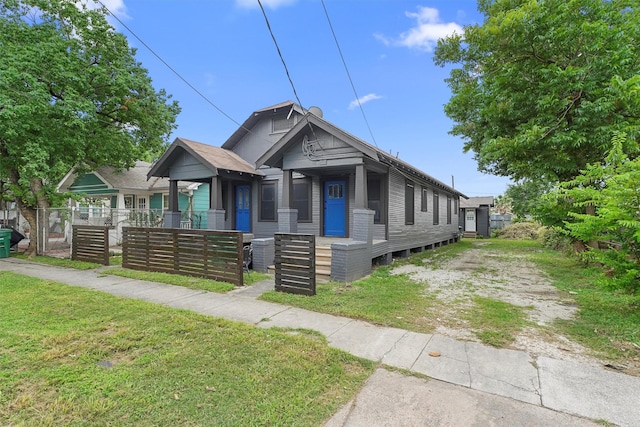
[[188, 168], [423, 232], [258, 141], [330, 151]]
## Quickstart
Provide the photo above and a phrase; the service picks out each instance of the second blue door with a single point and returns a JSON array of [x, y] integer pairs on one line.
[[335, 212], [243, 208]]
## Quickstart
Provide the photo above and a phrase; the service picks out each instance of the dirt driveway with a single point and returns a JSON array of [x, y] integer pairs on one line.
[[511, 278]]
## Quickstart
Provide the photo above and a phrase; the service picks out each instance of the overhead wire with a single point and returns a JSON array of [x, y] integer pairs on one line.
[[284, 64], [335, 38], [166, 64]]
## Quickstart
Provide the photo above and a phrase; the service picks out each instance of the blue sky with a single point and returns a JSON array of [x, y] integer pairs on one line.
[[224, 49]]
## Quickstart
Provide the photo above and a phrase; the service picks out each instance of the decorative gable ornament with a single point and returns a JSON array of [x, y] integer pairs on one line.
[[309, 147]]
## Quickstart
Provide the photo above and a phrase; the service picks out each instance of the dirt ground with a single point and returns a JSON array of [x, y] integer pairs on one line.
[[513, 279]]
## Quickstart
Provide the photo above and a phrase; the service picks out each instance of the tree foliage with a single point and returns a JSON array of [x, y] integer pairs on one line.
[[525, 196], [71, 95], [542, 85], [610, 193]]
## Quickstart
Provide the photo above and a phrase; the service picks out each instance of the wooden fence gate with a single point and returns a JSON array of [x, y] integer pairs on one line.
[[295, 263], [90, 243]]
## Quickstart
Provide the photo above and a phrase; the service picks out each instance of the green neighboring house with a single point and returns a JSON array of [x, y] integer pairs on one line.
[[107, 192]]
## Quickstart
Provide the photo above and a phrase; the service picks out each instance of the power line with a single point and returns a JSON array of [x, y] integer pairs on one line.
[[347, 70], [172, 69], [284, 64]]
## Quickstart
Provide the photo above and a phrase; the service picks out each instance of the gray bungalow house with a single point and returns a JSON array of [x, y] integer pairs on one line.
[[288, 170]]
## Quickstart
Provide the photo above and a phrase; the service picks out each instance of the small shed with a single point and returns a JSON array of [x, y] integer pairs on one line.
[[475, 216]]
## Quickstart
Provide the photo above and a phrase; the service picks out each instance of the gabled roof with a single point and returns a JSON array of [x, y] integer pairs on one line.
[[113, 180], [214, 158], [274, 156], [255, 117], [476, 202]]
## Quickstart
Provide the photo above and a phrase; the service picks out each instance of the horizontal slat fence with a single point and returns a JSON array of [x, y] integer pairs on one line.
[[215, 255], [295, 262], [90, 243]]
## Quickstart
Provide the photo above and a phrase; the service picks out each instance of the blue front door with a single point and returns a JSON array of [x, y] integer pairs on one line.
[[243, 208], [335, 208]]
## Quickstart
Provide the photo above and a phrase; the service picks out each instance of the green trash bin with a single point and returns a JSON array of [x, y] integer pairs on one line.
[[5, 242]]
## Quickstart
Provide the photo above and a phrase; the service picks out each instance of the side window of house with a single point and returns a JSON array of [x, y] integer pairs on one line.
[[282, 124], [436, 208], [268, 201], [423, 200], [375, 200], [408, 203], [448, 209], [302, 199], [455, 206]]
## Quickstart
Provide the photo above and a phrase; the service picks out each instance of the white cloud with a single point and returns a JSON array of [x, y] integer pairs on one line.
[[116, 7], [271, 4], [425, 34], [362, 100]]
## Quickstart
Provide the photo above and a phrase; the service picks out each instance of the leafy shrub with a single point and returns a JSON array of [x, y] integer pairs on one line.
[[553, 238]]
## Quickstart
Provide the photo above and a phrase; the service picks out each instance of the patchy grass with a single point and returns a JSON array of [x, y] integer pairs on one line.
[[434, 259], [382, 298], [60, 262], [607, 321], [495, 322], [186, 281], [71, 356]]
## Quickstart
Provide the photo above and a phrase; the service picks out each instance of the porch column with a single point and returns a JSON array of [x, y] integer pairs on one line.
[[120, 202], [287, 216], [215, 214], [287, 189], [361, 188], [172, 215]]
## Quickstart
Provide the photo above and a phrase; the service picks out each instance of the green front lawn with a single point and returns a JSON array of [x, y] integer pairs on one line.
[[72, 356]]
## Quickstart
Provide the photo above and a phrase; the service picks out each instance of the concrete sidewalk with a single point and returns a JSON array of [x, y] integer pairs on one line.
[[478, 385]]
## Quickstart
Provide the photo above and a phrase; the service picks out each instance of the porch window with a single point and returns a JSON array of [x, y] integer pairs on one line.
[[142, 203], [128, 201], [302, 199], [409, 204], [436, 208], [375, 195], [268, 201], [423, 200], [448, 209]]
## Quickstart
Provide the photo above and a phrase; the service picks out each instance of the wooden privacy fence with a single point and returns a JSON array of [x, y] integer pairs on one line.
[[90, 243], [215, 255], [295, 263]]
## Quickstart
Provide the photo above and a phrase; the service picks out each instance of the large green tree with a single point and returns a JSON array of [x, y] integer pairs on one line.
[[538, 88], [71, 95]]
